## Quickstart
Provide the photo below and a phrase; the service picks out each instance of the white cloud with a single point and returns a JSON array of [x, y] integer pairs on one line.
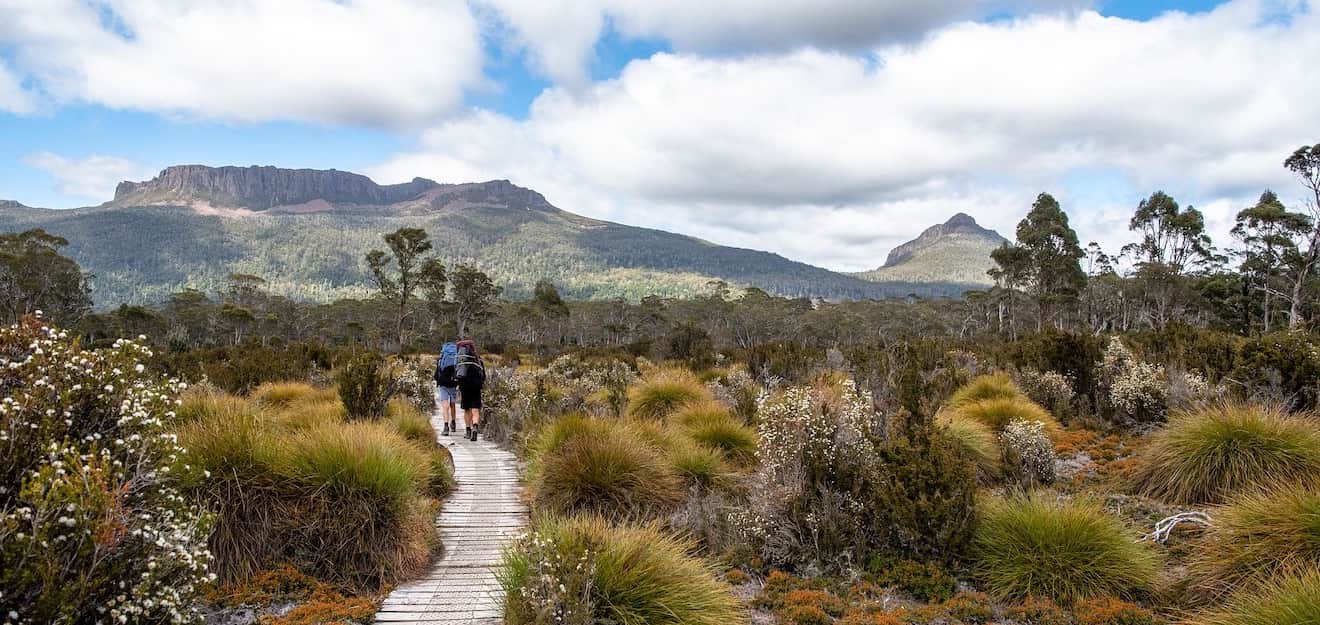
[[831, 156], [561, 37], [13, 98], [365, 62], [93, 177]]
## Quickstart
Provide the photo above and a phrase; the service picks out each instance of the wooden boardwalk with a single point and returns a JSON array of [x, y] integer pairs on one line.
[[477, 520]]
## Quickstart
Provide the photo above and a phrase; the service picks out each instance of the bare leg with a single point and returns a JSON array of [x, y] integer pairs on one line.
[[473, 415], [447, 412]]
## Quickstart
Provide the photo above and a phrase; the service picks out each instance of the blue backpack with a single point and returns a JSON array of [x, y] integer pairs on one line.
[[448, 355]]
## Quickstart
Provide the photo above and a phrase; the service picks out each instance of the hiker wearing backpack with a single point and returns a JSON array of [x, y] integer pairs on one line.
[[470, 373], [446, 386]]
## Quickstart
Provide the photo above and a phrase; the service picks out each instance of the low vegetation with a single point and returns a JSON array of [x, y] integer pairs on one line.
[[1206, 455], [1258, 537], [1065, 551], [1286, 601], [587, 570]]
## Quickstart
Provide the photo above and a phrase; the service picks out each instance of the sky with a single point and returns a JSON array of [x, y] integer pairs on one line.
[[827, 131]]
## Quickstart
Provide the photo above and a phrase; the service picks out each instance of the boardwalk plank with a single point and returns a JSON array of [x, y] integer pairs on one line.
[[478, 520]]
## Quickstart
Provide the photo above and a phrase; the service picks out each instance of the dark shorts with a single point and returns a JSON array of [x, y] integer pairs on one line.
[[469, 397]]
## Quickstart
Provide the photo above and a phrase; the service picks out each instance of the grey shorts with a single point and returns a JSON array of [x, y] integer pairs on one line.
[[447, 393]]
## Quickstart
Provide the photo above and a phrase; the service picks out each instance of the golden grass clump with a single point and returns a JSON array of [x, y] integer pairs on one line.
[[997, 413], [1208, 454], [599, 572], [1063, 550], [992, 386], [664, 392], [279, 394], [1258, 536], [610, 472], [713, 426], [977, 438], [310, 413], [1288, 601], [410, 422]]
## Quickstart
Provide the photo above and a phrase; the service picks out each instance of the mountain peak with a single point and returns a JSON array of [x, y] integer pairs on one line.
[[960, 225], [264, 187]]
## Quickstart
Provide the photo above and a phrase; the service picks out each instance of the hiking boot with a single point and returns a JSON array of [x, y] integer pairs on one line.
[[446, 432], [468, 433], [476, 430]]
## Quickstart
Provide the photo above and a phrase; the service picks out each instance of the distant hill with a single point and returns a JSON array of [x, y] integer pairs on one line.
[[954, 252], [305, 231]]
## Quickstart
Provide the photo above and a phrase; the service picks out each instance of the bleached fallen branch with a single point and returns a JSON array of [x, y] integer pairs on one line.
[[1165, 526]]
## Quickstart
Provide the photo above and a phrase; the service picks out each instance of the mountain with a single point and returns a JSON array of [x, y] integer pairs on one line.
[[306, 231], [956, 251]]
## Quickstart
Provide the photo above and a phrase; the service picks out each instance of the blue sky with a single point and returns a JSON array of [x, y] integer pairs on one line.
[[71, 126]]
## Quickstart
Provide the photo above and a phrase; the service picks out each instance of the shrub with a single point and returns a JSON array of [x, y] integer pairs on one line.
[[1028, 454], [586, 570], [998, 413], [281, 394], [1065, 551], [977, 439], [1137, 391], [1047, 388], [1289, 601], [664, 392], [1259, 536], [609, 471], [1207, 454], [92, 523], [1281, 367], [365, 385], [991, 386], [925, 581], [831, 492]]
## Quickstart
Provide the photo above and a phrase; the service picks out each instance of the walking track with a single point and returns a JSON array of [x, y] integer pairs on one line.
[[477, 521]]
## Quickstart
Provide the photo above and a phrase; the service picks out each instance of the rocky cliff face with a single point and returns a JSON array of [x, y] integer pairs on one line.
[[260, 188], [960, 225]]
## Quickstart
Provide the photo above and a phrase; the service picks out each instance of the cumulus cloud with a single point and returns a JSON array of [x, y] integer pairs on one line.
[[806, 152], [392, 63], [560, 39], [93, 177], [13, 98]]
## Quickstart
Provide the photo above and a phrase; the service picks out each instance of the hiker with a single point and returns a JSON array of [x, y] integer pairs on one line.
[[470, 373], [447, 387]]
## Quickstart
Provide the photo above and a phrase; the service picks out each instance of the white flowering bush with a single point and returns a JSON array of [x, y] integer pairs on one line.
[[416, 383], [832, 491], [1050, 389], [1028, 453], [1137, 391], [92, 526]]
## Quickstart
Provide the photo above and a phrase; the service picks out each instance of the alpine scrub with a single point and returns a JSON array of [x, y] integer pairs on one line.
[[93, 527]]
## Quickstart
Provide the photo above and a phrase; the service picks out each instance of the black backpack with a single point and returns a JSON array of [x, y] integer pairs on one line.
[[469, 370]]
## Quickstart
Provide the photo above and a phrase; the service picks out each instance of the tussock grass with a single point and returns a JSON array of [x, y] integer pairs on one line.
[[205, 405], [664, 392], [611, 472], [1208, 454], [991, 386], [699, 466], [238, 448], [342, 501], [635, 576], [997, 413], [977, 438], [1289, 601], [411, 423], [552, 435], [1065, 551], [279, 394], [697, 415], [1258, 536], [736, 441]]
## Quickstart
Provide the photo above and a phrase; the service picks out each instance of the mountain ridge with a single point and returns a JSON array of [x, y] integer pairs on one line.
[[957, 250], [306, 232]]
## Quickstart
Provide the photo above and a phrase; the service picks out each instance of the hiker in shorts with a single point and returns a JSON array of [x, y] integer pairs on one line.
[[447, 387], [470, 373]]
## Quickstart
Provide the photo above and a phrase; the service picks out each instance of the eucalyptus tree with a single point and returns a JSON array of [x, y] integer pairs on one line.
[[413, 271], [1045, 259], [1173, 243]]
